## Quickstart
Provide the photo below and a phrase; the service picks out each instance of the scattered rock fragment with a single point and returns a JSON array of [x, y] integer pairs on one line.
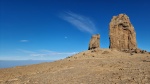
[[137, 50], [105, 52]]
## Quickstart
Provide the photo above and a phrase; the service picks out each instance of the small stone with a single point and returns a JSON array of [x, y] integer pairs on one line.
[[131, 53], [137, 50], [105, 52], [83, 53]]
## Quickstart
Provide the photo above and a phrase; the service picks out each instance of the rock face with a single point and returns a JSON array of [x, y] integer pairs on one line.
[[94, 42], [122, 35]]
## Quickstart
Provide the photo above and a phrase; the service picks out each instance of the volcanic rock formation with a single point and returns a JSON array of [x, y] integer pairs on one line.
[[94, 42], [122, 35]]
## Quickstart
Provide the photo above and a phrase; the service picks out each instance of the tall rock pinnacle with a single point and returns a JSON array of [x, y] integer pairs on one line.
[[121, 33], [94, 42]]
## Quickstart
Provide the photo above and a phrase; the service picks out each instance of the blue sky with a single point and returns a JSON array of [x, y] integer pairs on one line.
[[54, 29]]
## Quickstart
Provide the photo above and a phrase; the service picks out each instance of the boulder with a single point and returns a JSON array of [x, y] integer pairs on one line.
[[121, 33], [94, 42], [137, 51]]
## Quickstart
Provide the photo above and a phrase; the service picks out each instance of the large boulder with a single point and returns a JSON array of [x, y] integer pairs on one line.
[[94, 42], [121, 33]]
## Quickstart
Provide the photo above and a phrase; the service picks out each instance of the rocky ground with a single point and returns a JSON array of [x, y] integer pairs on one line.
[[100, 66]]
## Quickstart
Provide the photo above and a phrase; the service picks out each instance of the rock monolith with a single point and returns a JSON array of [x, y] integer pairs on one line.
[[121, 33], [94, 42]]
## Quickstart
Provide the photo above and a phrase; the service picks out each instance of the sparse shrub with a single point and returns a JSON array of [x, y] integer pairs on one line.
[[68, 57]]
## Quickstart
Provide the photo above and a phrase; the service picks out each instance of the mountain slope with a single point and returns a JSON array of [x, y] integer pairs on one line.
[[88, 67]]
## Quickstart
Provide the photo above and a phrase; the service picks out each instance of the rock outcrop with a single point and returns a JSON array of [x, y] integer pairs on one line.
[[94, 42], [122, 35]]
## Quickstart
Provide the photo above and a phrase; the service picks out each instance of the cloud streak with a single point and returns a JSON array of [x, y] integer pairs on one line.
[[82, 23], [44, 53], [24, 40]]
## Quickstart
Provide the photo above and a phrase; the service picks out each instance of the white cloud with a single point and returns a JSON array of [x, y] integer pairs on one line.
[[24, 40], [81, 22]]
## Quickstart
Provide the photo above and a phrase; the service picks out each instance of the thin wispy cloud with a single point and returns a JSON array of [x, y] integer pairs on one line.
[[44, 53], [25, 51], [82, 23], [24, 40], [53, 54]]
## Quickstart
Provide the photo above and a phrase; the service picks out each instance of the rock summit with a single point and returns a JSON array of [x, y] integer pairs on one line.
[[94, 42], [122, 35]]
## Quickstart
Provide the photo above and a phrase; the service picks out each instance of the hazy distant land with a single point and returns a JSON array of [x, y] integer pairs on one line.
[[14, 63]]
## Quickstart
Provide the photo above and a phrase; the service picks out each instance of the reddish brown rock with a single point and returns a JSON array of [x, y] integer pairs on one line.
[[94, 42], [122, 35]]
